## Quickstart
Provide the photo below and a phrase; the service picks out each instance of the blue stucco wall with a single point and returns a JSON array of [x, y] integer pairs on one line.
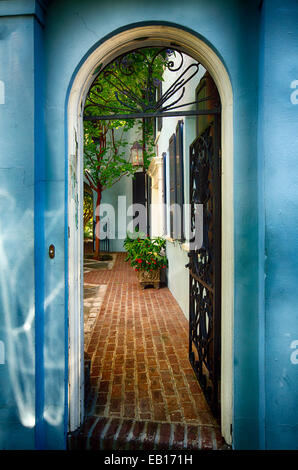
[[17, 329], [265, 181], [279, 137], [72, 29]]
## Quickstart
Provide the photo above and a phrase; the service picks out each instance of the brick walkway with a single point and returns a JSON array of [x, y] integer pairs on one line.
[[143, 391]]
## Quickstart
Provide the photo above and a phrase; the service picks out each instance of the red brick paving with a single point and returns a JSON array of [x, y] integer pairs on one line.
[[140, 371]]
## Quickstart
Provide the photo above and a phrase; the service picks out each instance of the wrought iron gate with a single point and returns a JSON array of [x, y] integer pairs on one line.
[[145, 102], [205, 263]]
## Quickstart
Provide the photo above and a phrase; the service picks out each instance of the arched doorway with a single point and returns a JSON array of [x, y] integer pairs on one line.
[[131, 39]]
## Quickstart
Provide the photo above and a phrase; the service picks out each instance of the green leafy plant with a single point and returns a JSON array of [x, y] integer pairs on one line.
[[144, 253]]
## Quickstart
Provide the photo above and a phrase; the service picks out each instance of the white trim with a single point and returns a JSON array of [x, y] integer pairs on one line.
[[125, 41], [157, 137], [169, 239], [185, 246], [155, 171]]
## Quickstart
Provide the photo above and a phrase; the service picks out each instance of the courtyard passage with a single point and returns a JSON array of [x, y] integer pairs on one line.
[[143, 392]]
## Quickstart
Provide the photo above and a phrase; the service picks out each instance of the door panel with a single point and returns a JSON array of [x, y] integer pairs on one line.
[[75, 285]]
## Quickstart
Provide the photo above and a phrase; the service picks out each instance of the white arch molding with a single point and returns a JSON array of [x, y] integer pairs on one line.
[[155, 35]]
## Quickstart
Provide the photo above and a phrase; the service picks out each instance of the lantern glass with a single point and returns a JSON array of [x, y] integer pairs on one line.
[[136, 153]]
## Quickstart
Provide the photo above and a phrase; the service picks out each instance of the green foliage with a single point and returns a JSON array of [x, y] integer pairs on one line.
[[88, 208], [145, 254], [126, 79], [105, 151], [88, 229]]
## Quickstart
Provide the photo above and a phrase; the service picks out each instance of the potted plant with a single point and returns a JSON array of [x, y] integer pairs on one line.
[[147, 256]]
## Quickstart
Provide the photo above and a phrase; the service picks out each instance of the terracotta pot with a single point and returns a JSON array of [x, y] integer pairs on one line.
[[149, 278]]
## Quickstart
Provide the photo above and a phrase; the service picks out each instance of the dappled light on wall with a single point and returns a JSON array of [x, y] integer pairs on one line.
[[54, 354], [18, 310]]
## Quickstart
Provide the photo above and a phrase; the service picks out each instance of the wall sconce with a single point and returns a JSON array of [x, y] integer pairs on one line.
[[136, 154]]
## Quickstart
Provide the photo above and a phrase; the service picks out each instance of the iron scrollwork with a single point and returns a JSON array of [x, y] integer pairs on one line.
[[141, 100], [204, 266]]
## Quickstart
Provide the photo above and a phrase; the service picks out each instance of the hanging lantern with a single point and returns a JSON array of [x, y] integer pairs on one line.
[[136, 154]]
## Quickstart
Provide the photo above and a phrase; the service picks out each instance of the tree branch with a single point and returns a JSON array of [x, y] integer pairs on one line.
[[90, 180]]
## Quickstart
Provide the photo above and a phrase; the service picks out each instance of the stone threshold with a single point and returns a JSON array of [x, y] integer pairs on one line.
[[101, 433]]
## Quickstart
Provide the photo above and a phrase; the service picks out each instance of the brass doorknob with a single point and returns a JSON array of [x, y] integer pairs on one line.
[[52, 251]]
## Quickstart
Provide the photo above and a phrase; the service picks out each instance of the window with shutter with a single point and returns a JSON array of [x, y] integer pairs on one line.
[[179, 180], [159, 95], [157, 125], [172, 168], [164, 155], [176, 183], [206, 89]]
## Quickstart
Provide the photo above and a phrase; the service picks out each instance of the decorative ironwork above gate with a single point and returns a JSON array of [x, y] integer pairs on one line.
[[134, 83]]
